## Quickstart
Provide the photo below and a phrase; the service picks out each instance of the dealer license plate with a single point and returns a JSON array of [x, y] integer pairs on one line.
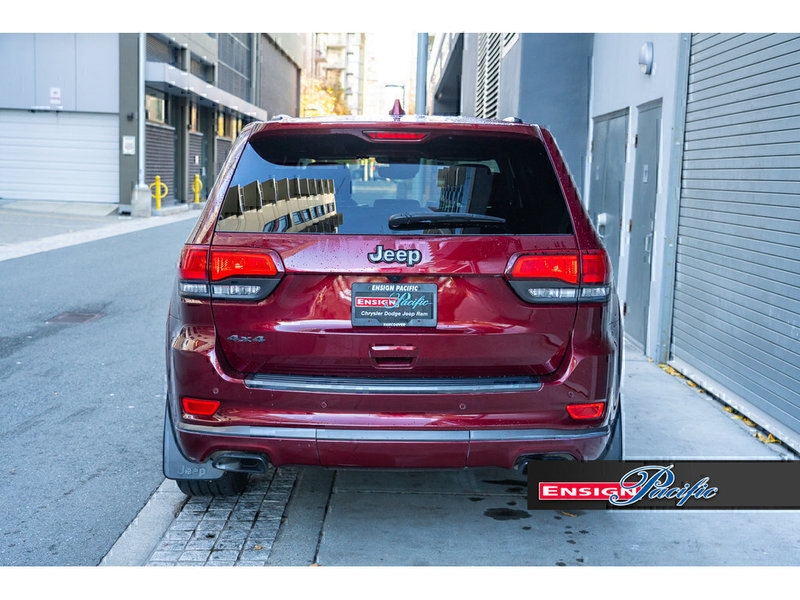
[[394, 304]]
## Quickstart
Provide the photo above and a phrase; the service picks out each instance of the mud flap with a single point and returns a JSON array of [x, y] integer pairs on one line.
[[176, 465], [614, 449]]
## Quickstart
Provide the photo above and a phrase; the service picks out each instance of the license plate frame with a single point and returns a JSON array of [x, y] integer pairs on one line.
[[371, 304]]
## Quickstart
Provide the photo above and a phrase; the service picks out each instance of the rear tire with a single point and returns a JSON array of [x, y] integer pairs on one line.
[[230, 484]]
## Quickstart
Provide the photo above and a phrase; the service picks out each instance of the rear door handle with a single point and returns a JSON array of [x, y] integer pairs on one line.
[[380, 351], [393, 357]]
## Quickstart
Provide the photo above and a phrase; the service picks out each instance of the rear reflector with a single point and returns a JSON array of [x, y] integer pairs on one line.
[[240, 264], [408, 136], [586, 411], [192, 263], [547, 266], [202, 408]]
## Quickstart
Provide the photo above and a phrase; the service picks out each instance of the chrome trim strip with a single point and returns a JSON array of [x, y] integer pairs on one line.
[[247, 431], [365, 385], [396, 435], [393, 435], [507, 435]]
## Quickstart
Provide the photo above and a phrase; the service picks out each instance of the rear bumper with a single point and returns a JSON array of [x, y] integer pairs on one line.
[[406, 448], [371, 422]]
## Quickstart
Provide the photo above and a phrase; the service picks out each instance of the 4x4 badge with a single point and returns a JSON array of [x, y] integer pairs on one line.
[[244, 338], [410, 257]]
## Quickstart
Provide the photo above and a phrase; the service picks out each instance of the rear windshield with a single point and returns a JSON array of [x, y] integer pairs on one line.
[[445, 185]]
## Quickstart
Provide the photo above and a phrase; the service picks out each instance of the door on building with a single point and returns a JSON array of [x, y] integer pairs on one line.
[[609, 142], [645, 186]]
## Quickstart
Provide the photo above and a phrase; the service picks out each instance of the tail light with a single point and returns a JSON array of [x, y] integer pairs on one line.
[[206, 273], [563, 277]]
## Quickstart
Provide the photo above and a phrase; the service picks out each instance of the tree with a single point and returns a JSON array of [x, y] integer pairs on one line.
[[318, 99]]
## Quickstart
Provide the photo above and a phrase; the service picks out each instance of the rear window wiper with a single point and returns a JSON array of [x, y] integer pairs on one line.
[[438, 219]]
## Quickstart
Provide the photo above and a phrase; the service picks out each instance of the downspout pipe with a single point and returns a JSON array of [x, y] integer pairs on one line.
[[422, 73]]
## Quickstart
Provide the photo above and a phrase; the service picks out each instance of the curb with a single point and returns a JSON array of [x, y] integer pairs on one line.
[[141, 537], [170, 210]]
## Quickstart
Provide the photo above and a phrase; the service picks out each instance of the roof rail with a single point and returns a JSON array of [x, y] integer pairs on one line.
[[513, 120]]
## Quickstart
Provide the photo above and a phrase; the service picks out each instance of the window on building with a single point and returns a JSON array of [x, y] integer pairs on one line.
[[194, 125], [155, 107], [159, 50], [201, 69], [226, 126]]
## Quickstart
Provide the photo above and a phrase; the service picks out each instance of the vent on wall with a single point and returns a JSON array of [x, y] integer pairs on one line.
[[488, 74]]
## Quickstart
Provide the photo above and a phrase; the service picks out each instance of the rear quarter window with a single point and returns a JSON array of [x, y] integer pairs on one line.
[[345, 184]]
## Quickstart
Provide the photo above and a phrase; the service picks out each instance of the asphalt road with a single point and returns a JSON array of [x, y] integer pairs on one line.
[[82, 403]]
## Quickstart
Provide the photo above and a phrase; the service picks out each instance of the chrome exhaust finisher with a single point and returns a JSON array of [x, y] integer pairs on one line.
[[521, 464], [240, 462]]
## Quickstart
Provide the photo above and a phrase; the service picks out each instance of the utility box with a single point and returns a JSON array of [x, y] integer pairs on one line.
[[140, 201]]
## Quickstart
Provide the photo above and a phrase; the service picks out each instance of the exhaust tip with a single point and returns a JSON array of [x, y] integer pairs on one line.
[[521, 464], [241, 462]]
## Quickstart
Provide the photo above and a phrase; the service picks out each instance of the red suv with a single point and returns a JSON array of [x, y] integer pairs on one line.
[[401, 292]]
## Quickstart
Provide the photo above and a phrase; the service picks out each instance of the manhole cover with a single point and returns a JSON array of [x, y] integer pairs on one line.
[[74, 317]]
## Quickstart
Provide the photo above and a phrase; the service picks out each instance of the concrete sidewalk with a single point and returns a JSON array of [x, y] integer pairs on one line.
[[30, 227], [667, 416]]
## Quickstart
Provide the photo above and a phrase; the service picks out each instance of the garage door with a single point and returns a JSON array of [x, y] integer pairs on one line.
[[59, 156], [736, 320]]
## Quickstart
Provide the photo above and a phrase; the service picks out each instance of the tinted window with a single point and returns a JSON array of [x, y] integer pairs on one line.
[[344, 184]]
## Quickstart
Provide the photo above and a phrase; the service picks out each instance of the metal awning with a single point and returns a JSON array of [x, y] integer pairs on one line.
[[170, 79]]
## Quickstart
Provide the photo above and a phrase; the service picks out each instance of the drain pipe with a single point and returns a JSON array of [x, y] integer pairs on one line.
[[142, 110], [140, 198], [422, 74]]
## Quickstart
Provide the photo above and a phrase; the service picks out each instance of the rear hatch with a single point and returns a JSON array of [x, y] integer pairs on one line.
[[394, 251]]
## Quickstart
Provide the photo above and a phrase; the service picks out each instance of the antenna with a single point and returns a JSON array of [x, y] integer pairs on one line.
[[397, 110]]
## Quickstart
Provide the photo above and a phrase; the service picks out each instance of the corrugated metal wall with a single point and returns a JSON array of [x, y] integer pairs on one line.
[[736, 316], [160, 155], [223, 146]]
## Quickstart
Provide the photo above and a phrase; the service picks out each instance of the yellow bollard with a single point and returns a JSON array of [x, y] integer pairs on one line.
[[197, 185], [158, 195]]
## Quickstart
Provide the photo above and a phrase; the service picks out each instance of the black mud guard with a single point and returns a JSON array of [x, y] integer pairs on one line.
[[176, 465]]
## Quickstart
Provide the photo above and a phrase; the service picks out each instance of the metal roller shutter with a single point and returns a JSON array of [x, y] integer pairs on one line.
[[736, 317], [223, 146], [64, 156], [160, 156]]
